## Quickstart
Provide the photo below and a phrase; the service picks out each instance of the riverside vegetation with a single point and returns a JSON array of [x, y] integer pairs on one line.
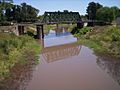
[[102, 39], [16, 50]]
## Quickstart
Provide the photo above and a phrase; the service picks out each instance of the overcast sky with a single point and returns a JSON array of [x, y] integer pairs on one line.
[[71, 5]]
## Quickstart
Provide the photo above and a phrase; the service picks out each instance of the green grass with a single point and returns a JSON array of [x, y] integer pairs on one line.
[[81, 32], [92, 44], [16, 49], [104, 40]]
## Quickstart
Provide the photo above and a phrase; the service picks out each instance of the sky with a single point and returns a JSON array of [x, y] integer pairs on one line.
[[71, 5]]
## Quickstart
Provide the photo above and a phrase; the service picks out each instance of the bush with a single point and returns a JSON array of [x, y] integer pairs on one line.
[[82, 31], [103, 40], [14, 49]]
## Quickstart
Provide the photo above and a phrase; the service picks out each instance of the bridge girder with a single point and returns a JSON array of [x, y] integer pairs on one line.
[[61, 17]]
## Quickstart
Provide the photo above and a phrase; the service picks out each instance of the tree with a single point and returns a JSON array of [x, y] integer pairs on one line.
[[4, 4], [10, 1], [92, 9], [8, 14], [16, 13], [116, 12], [84, 17], [32, 13], [40, 17], [29, 13], [105, 14]]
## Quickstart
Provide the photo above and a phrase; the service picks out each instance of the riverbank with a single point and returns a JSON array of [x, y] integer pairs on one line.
[[102, 39], [16, 50]]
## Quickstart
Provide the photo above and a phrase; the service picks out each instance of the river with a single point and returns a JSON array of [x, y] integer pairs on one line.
[[66, 65]]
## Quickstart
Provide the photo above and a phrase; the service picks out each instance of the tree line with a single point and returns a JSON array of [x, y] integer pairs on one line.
[[96, 11], [17, 13], [26, 13]]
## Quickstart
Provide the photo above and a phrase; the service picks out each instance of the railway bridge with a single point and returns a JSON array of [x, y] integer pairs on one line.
[[52, 18]]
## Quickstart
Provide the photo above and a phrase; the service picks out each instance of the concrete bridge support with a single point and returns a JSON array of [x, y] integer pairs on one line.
[[40, 32], [21, 29], [91, 24], [57, 26], [79, 25]]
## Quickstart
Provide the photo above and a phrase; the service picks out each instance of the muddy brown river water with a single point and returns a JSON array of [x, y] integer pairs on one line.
[[66, 65]]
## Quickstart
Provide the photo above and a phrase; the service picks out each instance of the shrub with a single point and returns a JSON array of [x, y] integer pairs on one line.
[[14, 49], [103, 39], [83, 31]]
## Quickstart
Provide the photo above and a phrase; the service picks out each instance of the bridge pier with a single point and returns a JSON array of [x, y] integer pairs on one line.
[[40, 32], [79, 25], [57, 25], [21, 29], [90, 23]]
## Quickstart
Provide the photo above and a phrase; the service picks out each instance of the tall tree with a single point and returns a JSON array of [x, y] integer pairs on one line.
[[18, 13], [29, 13], [24, 11], [92, 9], [116, 12], [105, 14], [4, 4]]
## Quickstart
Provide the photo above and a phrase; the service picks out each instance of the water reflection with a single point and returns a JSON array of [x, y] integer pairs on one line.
[[61, 31], [59, 44], [19, 78], [54, 53], [111, 66]]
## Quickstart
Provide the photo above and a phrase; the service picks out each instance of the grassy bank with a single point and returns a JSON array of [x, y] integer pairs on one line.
[[16, 49], [104, 40]]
